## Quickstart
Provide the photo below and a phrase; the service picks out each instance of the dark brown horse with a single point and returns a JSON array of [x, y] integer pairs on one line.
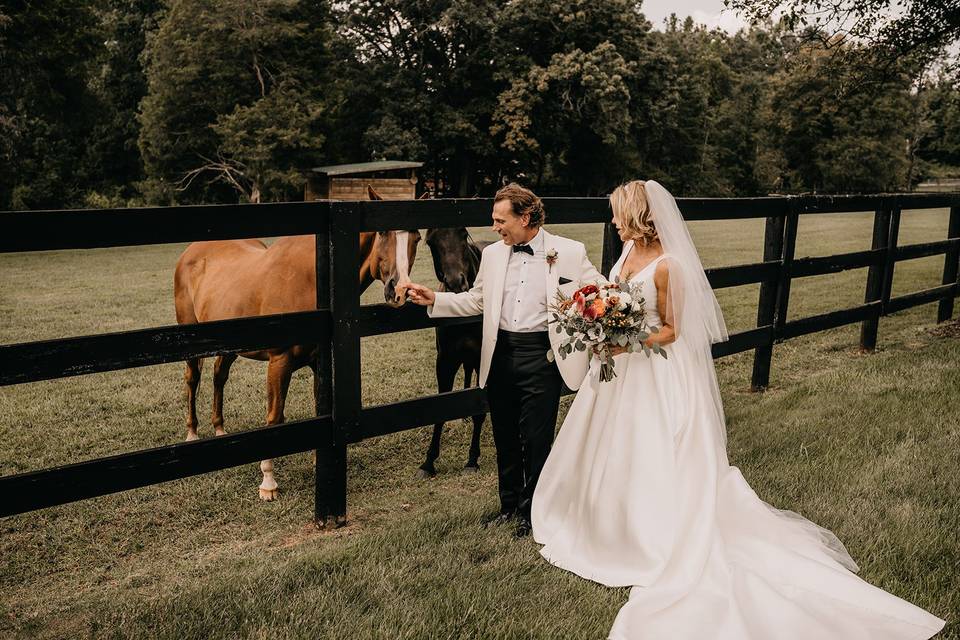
[[456, 260], [240, 278]]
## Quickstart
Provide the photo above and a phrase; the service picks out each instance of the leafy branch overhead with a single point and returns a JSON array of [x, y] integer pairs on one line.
[[892, 29]]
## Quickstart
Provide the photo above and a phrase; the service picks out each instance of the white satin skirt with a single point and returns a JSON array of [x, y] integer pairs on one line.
[[638, 492]]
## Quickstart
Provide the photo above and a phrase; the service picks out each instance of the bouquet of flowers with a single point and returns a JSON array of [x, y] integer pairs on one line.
[[599, 316]]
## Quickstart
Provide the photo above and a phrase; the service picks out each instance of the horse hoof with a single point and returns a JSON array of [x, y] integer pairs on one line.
[[192, 435], [268, 495], [221, 432], [424, 474], [471, 468]]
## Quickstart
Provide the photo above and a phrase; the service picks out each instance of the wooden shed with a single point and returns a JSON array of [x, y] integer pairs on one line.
[[392, 179]]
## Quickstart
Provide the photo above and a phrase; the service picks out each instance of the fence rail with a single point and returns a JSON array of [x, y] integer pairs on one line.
[[340, 322]]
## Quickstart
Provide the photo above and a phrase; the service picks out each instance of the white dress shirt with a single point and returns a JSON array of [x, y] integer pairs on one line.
[[525, 290]]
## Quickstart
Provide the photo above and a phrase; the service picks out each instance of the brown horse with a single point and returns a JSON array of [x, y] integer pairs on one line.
[[226, 279]]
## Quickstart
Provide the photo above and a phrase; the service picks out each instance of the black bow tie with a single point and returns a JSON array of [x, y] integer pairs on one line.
[[523, 248]]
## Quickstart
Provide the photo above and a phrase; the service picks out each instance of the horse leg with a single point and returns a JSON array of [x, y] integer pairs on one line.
[[278, 382], [192, 378], [446, 373], [221, 371], [473, 464]]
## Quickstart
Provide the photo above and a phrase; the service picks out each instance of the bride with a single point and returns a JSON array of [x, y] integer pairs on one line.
[[638, 491]]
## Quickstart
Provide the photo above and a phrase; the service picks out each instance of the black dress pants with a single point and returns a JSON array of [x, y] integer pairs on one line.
[[523, 391]]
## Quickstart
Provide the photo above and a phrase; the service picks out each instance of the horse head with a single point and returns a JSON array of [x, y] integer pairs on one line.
[[392, 258], [456, 258]]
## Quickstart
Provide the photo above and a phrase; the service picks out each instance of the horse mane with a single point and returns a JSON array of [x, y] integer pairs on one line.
[[475, 252]]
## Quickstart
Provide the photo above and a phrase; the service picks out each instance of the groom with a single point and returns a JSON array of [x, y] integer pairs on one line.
[[518, 277]]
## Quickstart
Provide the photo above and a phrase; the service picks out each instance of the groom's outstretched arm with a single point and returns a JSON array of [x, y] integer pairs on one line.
[[442, 304]]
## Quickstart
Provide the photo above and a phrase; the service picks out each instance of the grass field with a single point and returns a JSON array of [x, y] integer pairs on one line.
[[867, 446]]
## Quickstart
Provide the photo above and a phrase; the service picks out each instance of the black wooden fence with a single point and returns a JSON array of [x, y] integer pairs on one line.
[[340, 322]]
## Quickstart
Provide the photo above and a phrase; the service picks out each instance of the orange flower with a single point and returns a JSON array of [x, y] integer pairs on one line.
[[595, 310]]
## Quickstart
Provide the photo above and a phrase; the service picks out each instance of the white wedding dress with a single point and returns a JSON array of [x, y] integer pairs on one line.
[[638, 492]]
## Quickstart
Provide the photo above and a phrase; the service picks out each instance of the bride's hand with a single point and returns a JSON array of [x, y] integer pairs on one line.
[[614, 350]]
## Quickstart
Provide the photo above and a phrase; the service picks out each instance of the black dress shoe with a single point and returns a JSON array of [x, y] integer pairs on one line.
[[524, 527], [499, 519]]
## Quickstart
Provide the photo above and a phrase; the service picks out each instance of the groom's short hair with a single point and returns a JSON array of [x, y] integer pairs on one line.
[[522, 200]]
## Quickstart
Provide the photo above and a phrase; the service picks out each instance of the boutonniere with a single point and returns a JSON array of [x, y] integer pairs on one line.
[[551, 258]]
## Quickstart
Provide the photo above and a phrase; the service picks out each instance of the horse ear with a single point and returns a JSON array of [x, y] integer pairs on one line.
[[373, 193]]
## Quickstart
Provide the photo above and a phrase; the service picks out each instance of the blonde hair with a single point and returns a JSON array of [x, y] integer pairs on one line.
[[630, 208]]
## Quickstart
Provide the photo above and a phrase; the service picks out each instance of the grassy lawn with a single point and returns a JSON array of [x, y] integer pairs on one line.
[[867, 446]]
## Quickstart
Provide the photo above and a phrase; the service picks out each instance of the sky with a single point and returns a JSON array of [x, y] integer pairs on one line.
[[709, 12]]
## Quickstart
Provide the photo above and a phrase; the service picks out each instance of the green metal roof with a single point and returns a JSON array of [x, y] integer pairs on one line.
[[366, 167]]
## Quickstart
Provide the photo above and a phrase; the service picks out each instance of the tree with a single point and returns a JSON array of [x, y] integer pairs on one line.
[[938, 144], [424, 72], [579, 80], [680, 145], [237, 93], [114, 166], [264, 146], [888, 30], [46, 106], [837, 142], [572, 114]]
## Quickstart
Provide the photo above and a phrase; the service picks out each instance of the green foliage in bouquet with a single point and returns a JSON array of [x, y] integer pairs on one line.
[[602, 316]]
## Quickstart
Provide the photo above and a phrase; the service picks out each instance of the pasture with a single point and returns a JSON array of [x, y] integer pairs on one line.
[[865, 445]]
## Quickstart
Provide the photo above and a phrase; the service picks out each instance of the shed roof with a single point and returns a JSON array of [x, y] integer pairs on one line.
[[365, 167]]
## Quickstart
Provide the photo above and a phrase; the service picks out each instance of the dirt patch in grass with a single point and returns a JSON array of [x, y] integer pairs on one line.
[[356, 521], [949, 329]]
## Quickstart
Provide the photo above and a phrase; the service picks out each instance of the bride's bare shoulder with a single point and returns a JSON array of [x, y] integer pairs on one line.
[[661, 274]]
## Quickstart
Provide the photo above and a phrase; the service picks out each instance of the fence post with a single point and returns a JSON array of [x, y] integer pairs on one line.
[[891, 260], [951, 265], [875, 278], [612, 248], [786, 267], [345, 364], [766, 307], [325, 458]]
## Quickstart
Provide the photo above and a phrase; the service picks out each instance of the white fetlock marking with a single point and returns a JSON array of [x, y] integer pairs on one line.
[[268, 488]]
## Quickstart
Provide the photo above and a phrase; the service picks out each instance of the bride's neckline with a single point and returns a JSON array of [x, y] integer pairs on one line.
[[641, 269]]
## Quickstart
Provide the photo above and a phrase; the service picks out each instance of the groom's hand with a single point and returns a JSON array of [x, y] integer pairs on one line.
[[421, 295]]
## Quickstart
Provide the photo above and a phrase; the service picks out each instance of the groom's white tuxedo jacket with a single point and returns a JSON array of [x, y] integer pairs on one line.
[[486, 297]]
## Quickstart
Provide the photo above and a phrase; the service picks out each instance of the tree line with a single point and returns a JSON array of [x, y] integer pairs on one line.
[[132, 102]]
